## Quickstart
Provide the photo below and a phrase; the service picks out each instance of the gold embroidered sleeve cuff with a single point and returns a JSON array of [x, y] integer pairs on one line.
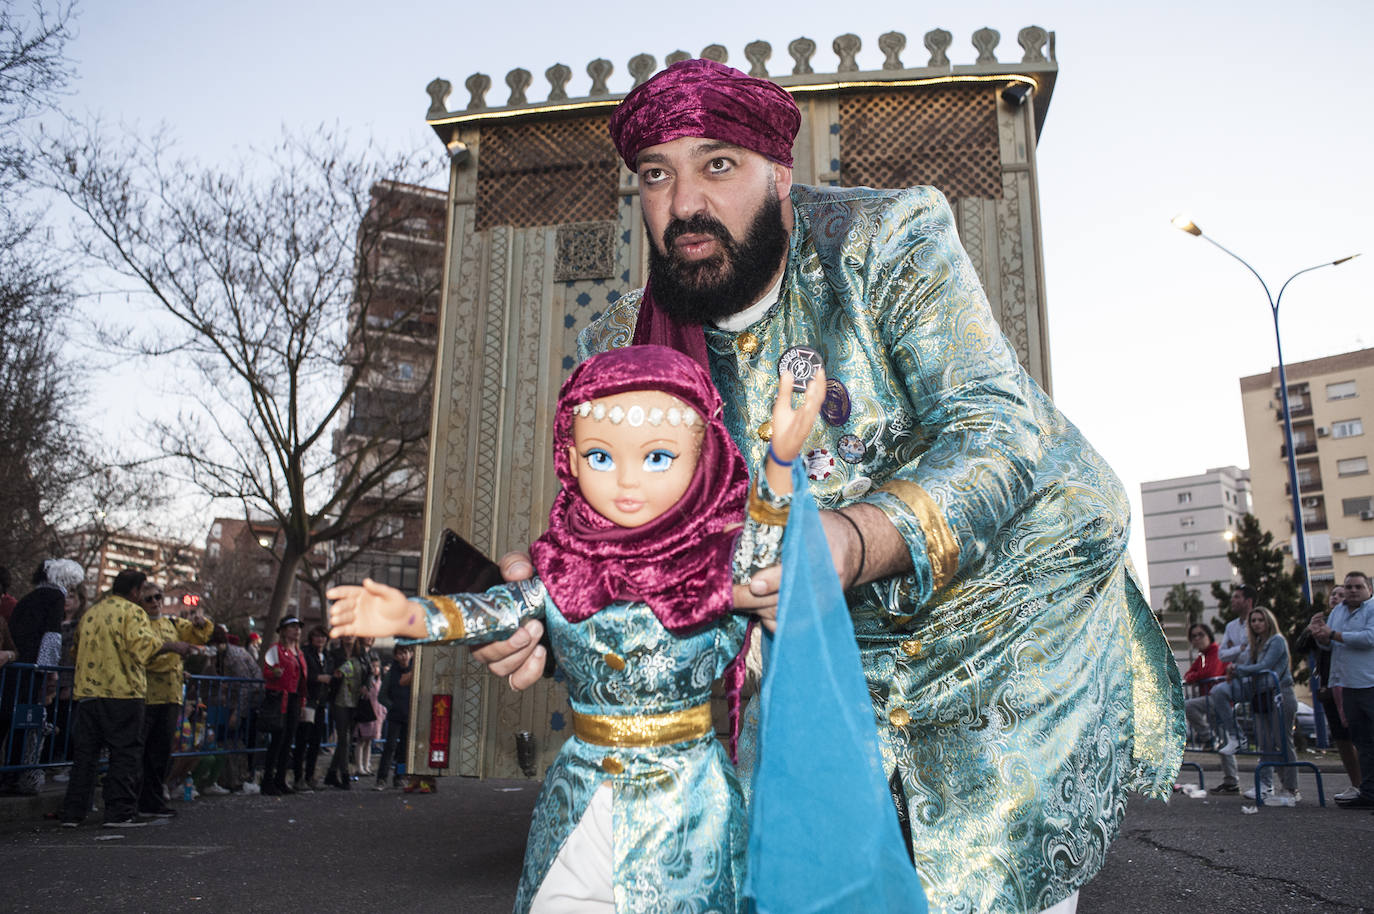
[[760, 542]]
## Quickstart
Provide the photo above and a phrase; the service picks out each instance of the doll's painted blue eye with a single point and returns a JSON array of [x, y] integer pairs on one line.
[[659, 460], [599, 460]]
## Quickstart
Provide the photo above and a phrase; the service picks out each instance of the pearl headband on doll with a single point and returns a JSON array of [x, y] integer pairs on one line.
[[636, 415]]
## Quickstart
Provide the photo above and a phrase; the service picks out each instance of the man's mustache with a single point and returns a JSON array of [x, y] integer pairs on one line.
[[700, 224]]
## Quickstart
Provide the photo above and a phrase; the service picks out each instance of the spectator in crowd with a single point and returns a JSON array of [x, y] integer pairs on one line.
[[395, 697], [1268, 653], [310, 731], [283, 672], [1234, 641], [1206, 670], [63, 708], [233, 702], [163, 704], [36, 626], [7, 600], [370, 715], [114, 644], [348, 685], [8, 653], [1331, 714], [255, 646], [1349, 636]]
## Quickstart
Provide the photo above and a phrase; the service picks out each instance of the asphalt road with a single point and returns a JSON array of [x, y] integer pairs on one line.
[[459, 850]]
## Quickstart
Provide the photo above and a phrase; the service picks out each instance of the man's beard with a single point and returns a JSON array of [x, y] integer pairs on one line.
[[735, 277]]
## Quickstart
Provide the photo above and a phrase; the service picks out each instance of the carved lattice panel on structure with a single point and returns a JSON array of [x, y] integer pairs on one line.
[[945, 137], [547, 173]]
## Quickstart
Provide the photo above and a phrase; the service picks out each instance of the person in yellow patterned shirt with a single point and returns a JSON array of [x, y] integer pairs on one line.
[[115, 643], [163, 704]]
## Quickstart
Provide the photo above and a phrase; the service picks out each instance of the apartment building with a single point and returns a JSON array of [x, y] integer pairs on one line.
[[173, 566], [1189, 523], [399, 274], [1331, 400]]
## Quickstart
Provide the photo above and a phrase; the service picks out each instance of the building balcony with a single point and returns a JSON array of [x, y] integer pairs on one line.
[[1300, 447]]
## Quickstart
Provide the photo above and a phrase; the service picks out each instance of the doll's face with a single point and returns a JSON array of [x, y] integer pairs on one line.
[[631, 474]]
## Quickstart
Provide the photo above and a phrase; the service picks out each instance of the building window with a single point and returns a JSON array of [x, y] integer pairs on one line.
[[1354, 466], [405, 371], [1341, 390], [1353, 506], [1360, 545], [1190, 571], [217, 531], [1190, 545], [1185, 498], [1347, 428], [1187, 521]]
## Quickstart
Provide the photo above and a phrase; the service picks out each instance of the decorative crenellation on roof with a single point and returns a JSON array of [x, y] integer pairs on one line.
[[1032, 39]]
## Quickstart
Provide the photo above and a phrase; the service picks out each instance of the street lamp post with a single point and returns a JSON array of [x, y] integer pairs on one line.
[[1183, 223]]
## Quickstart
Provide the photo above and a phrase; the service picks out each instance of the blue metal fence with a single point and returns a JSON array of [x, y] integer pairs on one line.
[[218, 717], [1259, 725]]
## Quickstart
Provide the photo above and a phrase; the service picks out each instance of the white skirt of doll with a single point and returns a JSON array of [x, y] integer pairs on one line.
[[1067, 906], [579, 879]]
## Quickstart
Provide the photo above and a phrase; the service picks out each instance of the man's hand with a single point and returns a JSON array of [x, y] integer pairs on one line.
[[519, 658], [761, 595]]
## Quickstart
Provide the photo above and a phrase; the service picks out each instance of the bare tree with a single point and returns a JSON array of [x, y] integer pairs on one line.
[[271, 285], [42, 454]]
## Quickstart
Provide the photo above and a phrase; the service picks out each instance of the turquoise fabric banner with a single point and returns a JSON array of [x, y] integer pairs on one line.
[[823, 834]]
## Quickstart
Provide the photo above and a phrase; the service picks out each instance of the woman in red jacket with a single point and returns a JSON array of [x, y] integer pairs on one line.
[[283, 672], [1205, 672]]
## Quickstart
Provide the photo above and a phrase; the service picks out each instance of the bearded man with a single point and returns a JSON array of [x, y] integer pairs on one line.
[[1020, 683]]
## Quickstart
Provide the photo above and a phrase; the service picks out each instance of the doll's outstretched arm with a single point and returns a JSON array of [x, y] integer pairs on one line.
[[373, 610]]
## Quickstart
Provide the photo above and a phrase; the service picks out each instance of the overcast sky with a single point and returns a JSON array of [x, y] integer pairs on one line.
[[1251, 117]]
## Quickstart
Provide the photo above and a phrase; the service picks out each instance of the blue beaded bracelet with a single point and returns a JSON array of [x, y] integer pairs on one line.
[[773, 456]]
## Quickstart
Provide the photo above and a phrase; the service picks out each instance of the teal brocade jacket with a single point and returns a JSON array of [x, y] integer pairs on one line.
[[1020, 683]]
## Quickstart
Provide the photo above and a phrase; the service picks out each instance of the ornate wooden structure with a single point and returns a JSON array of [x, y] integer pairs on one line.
[[544, 231]]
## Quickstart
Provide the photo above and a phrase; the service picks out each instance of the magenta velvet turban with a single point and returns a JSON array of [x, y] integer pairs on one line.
[[707, 99]]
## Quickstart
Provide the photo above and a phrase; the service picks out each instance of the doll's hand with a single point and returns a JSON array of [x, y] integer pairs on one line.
[[791, 426], [373, 610], [519, 658]]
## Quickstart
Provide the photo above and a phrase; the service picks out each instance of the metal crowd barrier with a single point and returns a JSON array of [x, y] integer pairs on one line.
[[218, 717], [34, 718], [1259, 716], [1193, 741]]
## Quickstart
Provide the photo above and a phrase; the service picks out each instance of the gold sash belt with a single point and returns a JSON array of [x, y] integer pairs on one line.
[[643, 729]]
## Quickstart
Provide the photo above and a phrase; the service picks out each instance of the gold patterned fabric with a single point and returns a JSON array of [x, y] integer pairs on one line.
[[1020, 683]]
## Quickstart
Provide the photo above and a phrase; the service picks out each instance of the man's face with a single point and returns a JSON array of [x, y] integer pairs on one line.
[[717, 224], [1240, 604], [317, 640], [1356, 590], [152, 598]]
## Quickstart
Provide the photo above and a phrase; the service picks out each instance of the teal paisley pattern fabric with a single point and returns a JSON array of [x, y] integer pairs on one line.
[[678, 812], [1020, 683]]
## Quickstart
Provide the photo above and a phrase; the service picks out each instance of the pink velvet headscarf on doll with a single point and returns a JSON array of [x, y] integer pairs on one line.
[[679, 563]]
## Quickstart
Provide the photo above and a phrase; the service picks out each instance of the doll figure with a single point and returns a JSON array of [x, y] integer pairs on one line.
[[641, 809]]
